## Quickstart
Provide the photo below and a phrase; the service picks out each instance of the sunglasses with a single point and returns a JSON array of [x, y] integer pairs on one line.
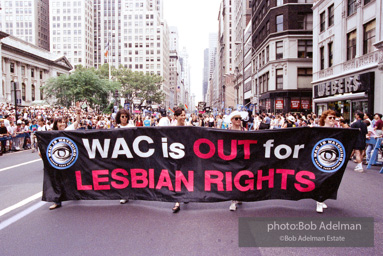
[[237, 118], [331, 117], [124, 116]]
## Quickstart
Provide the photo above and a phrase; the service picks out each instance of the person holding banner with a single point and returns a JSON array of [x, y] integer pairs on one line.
[[180, 116], [236, 118], [60, 124], [327, 119], [123, 121]]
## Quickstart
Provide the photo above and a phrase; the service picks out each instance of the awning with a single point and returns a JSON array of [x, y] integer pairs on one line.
[[348, 96]]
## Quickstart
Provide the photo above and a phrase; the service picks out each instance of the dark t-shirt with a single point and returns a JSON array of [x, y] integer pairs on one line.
[[379, 124], [3, 130], [360, 142]]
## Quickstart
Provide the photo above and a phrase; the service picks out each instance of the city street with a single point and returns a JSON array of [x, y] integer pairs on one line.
[[28, 227]]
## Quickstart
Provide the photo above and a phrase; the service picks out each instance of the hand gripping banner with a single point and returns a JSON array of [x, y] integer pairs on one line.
[[194, 164]]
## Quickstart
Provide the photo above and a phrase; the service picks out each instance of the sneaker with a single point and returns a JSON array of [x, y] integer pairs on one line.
[[233, 206], [359, 169], [33, 150], [324, 205], [124, 201], [319, 207]]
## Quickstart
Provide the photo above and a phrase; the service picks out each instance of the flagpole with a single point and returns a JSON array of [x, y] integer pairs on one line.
[[110, 68]]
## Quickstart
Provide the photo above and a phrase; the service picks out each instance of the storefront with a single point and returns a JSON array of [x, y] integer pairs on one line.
[[346, 95], [286, 101]]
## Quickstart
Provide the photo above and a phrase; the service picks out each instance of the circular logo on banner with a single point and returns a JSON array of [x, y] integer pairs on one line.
[[328, 155], [62, 153]]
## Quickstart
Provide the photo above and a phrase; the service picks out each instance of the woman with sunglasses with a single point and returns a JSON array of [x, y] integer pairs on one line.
[[123, 121], [327, 119], [236, 121]]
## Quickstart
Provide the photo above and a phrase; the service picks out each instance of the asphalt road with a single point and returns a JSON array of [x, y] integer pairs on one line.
[[150, 228]]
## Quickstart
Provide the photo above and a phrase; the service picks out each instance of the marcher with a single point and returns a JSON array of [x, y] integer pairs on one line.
[[360, 143], [327, 119], [60, 124], [123, 121], [236, 118], [180, 116]]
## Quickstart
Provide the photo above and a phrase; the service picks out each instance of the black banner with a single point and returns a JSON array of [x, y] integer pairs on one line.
[[194, 164]]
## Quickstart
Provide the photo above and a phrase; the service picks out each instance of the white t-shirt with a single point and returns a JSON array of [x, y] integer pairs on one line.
[[164, 121], [42, 128], [126, 126]]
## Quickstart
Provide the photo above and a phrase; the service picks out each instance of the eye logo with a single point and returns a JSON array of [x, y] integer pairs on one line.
[[62, 153], [328, 155]]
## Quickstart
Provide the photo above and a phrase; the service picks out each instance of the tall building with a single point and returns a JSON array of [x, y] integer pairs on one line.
[[226, 66], [135, 35], [282, 54], [211, 90], [205, 71], [71, 30], [174, 67], [27, 20], [348, 57], [185, 92], [242, 52]]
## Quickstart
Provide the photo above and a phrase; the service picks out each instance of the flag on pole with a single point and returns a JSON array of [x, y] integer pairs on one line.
[[186, 107], [106, 49], [171, 110]]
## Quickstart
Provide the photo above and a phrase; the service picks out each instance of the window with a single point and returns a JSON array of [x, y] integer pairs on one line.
[[366, 1], [267, 53], [32, 72], [368, 36], [351, 45], [330, 54], [305, 71], [12, 67], [322, 21], [322, 58], [305, 21], [279, 23], [279, 79], [23, 70], [305, 48], [279, 2], [279, 50], [331, 15], [23, 89], [33, 92], [351, 7], [41, 74]]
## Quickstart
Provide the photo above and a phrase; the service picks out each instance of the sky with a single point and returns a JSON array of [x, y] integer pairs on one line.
[[195, 19]]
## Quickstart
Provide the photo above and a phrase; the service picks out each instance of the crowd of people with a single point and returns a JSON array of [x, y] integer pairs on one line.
[[17, 128], [18, 133]]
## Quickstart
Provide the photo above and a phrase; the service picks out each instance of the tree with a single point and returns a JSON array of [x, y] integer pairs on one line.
[[82, 84], [137, 84]]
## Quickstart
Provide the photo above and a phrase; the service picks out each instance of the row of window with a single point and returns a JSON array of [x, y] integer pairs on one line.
[[13, 70], [368, 41], [264, 79], [353, 4], [330, 19], [305, 50]]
